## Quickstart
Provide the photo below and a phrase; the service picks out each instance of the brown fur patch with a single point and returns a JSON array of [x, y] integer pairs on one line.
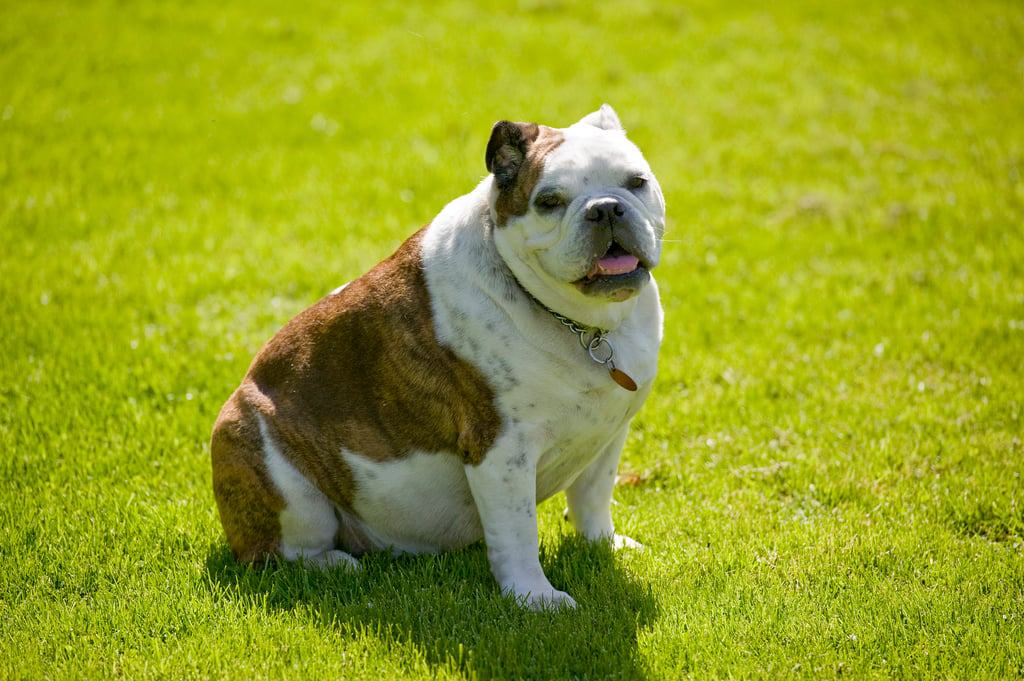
[[360, 370], [515, 199], [247, 500]]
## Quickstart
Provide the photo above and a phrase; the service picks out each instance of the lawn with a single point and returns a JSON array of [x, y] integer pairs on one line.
[[827, 475]]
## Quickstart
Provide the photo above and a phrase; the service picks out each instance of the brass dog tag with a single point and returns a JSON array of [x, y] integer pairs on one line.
[[623, 379]]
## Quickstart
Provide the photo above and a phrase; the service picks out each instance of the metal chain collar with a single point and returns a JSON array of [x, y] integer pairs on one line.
[[595, 346]]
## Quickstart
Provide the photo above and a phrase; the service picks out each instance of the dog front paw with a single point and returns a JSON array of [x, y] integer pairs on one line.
[[550, 599], [539, 596], [621, 541]]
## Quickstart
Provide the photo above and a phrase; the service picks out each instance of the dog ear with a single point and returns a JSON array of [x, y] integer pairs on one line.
[[507, 149], [604, 118]]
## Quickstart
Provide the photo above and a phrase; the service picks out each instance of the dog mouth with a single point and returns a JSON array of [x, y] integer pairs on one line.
[[618, 275], [617, 260]]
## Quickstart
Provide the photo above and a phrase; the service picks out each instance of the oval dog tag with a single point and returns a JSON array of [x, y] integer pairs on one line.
[[623, 379]]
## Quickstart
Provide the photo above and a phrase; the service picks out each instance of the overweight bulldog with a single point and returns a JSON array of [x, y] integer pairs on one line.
[[494, 360]]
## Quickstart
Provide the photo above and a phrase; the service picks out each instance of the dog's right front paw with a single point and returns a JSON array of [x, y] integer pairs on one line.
[[556, 600], [548, 598]]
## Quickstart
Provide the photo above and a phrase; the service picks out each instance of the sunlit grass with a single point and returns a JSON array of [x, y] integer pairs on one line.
[[826, 476]]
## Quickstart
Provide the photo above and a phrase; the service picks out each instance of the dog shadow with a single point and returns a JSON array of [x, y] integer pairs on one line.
[[449, 608]]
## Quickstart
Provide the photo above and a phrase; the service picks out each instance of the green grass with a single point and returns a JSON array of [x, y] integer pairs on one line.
[[827, 475]]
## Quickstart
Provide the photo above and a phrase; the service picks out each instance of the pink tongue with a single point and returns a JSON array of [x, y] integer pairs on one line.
[[614, 264]]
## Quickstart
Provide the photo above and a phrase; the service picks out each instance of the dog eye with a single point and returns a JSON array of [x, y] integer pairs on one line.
[[637, 182], [548, 201]]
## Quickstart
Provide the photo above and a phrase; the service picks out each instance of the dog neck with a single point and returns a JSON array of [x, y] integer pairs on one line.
[[594, 341]]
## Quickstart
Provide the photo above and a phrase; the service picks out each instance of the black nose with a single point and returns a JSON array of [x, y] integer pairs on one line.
[[604, 210]]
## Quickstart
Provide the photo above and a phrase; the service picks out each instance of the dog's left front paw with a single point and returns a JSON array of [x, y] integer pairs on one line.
[[621, 541]]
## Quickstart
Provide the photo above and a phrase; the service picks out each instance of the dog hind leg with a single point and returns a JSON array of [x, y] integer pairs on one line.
[[267, 507], [247, 500]]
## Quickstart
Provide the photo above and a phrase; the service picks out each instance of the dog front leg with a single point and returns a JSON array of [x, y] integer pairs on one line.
[[590, 497], [504, 488]]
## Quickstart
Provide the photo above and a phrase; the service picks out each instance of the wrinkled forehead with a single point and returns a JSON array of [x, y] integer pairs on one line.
[[600, 156]]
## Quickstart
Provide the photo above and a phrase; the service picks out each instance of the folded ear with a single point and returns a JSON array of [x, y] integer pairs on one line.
[[507, 149], [604, 118]]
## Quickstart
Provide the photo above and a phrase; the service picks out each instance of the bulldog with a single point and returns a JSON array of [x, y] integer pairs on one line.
[[493, 361]]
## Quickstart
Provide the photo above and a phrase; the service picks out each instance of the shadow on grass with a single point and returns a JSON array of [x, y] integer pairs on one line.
[[449, 608]]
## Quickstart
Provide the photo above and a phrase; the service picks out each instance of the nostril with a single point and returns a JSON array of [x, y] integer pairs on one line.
[[619, 210]]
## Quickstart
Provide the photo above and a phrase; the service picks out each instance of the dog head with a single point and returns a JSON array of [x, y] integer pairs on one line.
[[578, 214]]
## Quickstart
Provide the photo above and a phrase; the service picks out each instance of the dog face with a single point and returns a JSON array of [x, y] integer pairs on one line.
[[578, 213]]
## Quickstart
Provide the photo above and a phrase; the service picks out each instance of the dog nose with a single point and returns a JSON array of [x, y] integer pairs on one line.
[[604, 210]]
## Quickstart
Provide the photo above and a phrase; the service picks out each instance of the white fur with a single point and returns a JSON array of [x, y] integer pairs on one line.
[[308, 522], [390, 509]]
